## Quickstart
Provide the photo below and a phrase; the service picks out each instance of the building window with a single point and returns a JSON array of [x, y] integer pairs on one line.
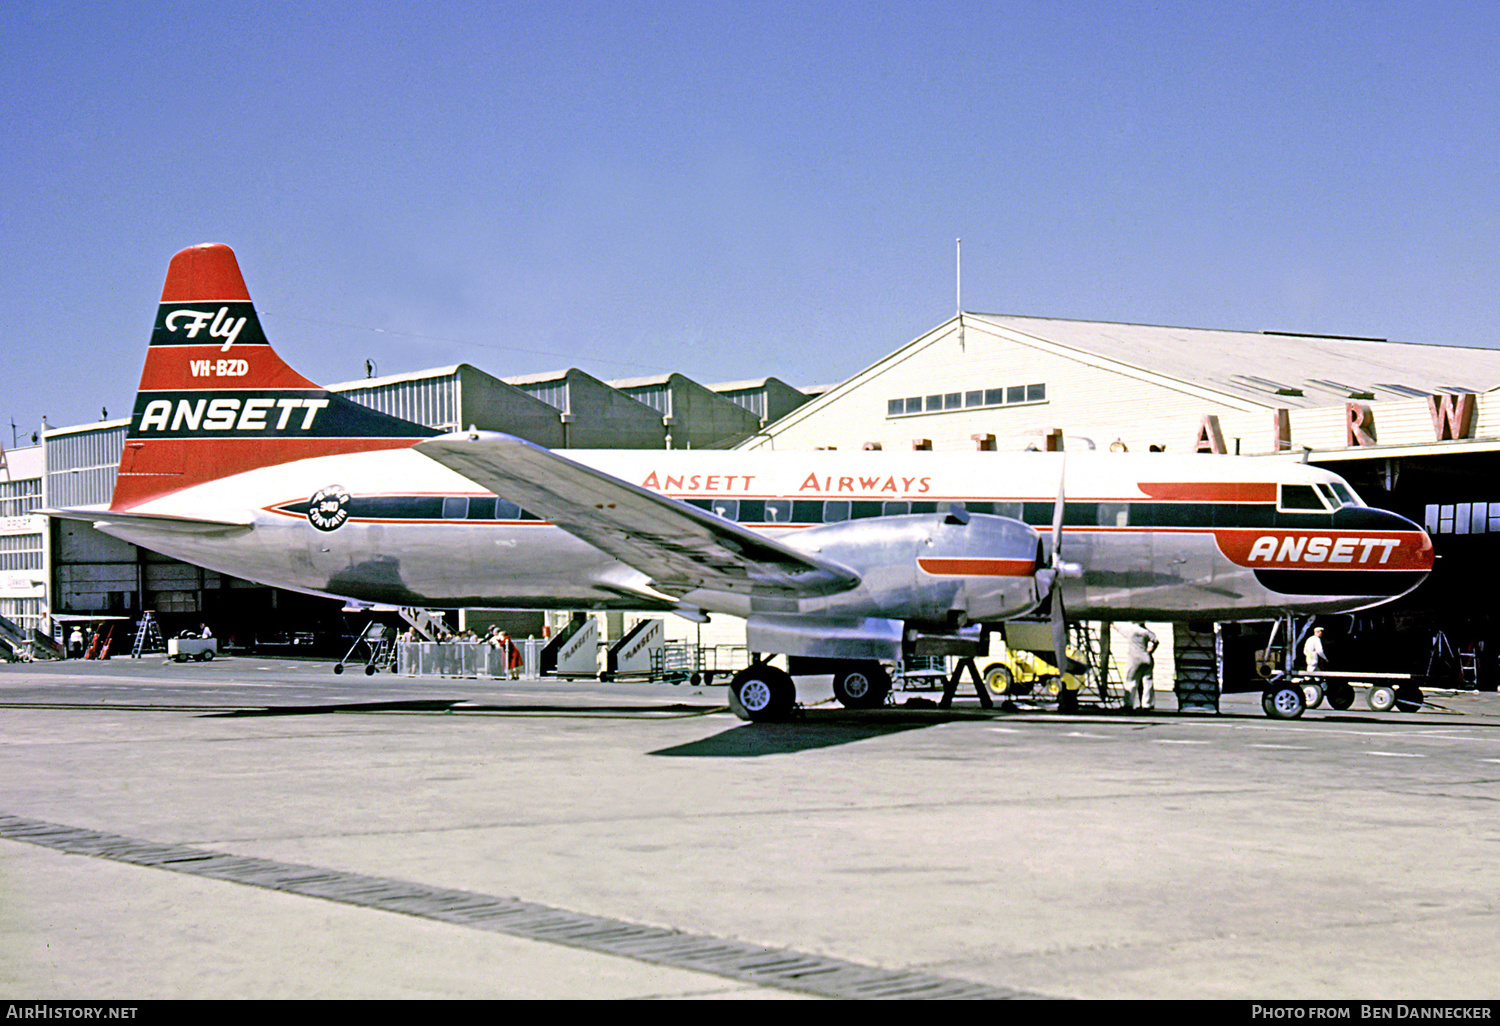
[[973, 399], [1462, 518]]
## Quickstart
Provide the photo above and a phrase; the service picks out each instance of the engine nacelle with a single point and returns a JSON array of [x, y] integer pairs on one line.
[[929, 569]]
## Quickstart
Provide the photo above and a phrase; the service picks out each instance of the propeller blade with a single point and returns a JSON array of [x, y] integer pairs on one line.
[[1059, 633], [1058, 509]]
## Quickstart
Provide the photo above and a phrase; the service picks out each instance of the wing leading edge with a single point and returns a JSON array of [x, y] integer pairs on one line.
[[680, 547]]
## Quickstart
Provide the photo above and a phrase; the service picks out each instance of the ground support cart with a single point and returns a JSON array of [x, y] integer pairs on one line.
[[1286, 695], [180, 650], [1399, 691], [920, 673]]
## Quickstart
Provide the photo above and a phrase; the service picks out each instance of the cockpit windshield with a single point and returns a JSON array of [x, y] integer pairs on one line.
[[1322, 496], [1347, 496]]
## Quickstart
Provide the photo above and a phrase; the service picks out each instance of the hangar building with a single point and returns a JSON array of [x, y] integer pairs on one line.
[[1004, 382]]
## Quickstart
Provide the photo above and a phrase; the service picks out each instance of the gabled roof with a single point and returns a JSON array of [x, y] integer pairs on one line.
[[1269, 368]]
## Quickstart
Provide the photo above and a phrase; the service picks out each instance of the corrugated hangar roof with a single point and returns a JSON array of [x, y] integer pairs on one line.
[[1274, 368]]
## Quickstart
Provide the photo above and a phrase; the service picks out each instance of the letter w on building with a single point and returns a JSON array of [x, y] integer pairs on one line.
[[1452, 416]]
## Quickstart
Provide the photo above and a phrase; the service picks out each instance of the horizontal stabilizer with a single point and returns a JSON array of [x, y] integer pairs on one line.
[[680, 547], [161, 522]]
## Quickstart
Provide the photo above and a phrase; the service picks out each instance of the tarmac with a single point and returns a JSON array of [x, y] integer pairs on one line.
[[259, 828]]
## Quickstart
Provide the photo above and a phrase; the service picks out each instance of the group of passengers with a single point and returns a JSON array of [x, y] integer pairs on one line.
[[494, 637]]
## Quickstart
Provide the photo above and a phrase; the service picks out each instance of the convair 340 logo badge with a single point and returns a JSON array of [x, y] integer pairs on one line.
[[219, 325], [329, 508]]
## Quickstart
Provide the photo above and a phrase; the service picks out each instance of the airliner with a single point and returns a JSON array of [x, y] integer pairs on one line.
[[235, 462]]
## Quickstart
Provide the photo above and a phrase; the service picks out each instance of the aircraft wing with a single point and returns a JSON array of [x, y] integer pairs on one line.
[[680, 547]]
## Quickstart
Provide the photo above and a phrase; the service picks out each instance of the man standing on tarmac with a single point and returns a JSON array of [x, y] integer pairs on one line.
[[1313, 652], [1139, 667]]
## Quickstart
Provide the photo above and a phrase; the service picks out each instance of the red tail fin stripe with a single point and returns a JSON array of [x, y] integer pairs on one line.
[[208, 368], [205, 273]]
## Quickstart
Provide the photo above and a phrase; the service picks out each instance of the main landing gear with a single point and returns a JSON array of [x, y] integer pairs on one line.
[[862, 686], [761, 693]]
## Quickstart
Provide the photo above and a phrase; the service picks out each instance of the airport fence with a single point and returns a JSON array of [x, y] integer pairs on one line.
[[465, 658]]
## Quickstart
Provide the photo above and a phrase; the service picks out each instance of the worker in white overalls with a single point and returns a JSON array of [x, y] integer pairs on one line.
[[1140, 667], [1312, 651]]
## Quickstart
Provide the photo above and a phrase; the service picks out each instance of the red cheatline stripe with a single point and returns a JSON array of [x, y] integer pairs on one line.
[[978, 567], [1210, 491]]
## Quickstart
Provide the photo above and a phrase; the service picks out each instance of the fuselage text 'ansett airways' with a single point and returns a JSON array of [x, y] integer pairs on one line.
[[813, 483]]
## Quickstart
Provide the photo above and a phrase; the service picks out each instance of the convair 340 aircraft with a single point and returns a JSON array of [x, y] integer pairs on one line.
[[235, 462]]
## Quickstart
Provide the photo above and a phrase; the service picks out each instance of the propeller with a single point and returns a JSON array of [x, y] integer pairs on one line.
[[1052, 577], [1059, 615]]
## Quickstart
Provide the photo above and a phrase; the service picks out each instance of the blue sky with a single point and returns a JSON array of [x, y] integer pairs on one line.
[[733, 190]]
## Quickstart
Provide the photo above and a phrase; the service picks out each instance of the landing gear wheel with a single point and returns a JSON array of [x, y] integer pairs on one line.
[[862, 686], [762, 694], [1284, 702], [1382, 697], [1313, 693], [338, 667], [369, 669], [1408, 698], [1340, 696], [998, 679]]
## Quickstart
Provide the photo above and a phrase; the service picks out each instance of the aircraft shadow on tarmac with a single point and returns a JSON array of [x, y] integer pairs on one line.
[[459, 705], [749, 740]]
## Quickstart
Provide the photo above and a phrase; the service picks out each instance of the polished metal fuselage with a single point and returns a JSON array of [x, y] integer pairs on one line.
[[1150, 572]]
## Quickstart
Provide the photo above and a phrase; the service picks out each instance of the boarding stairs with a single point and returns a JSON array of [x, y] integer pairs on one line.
[[19, 645], [427, 626]]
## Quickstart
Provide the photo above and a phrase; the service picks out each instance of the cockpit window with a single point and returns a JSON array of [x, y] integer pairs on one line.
[[1300, 498], [1346, 494]]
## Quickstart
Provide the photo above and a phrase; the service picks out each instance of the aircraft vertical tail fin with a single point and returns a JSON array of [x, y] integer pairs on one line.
[[215, 399]]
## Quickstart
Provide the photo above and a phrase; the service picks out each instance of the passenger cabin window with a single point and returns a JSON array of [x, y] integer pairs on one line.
[[1300, 499], [729, 509], [455, 507], [1114, 514], [835, 510], [778, 511]]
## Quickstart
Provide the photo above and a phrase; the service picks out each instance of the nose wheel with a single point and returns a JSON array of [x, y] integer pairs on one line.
[[1283, 702]]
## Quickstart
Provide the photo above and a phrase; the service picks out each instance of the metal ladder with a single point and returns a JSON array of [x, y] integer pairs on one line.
[[147, 636], [1094, 646]]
